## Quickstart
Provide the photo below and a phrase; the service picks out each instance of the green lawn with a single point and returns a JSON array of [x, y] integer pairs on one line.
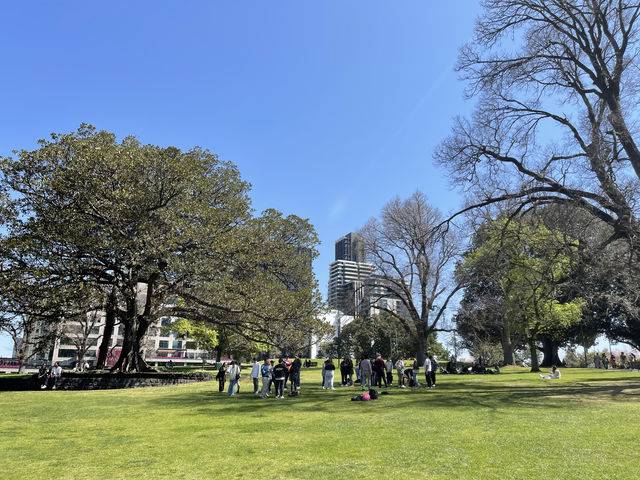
[[513, 425]]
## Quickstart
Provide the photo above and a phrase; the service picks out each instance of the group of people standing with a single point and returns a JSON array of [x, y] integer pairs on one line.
[[377, 371], [602, 361], [270, 372]]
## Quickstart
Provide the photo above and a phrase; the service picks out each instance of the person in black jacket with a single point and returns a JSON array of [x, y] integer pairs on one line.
[[329, 371], [294, 374], [346, 370], [279, 374], [221, 376]]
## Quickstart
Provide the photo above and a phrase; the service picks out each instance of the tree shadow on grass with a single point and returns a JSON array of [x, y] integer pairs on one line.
[[489, 396]]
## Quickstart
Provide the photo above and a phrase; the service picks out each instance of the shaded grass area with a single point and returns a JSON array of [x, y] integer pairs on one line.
[[505, 426]]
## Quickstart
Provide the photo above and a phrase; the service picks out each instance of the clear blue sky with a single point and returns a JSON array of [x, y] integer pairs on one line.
[[329, 109]]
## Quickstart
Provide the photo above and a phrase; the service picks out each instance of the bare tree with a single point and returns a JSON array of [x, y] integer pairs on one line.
[[414, 262], [556, 123]]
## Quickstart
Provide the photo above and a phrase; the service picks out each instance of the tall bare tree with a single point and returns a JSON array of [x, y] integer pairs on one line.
[[414, 262], [556, 121]]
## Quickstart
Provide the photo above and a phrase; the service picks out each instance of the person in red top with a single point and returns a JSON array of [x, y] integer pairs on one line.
[[378, 368], [287, 364]]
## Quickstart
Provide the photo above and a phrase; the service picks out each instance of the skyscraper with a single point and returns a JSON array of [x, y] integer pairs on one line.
[[350, 247], [347, 273]]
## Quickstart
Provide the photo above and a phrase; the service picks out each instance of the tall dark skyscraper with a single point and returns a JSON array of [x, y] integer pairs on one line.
[[350, 248], [347, 273]]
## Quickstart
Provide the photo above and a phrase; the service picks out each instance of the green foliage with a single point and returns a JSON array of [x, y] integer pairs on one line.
[[158, 224], [529, 263], [476, 427]]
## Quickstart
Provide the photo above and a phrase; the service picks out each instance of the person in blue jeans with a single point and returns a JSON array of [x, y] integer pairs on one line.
[[234, 377]]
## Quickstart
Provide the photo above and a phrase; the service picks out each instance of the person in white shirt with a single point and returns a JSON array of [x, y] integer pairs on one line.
[[234, 377], [554, 374], [56, 373], [255, 376], [427, 371]]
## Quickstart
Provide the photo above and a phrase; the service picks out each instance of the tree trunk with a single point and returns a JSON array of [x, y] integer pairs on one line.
[[110, 321], [533, 349], [550, 352], [135, 327], [507, 344], [421, 344]]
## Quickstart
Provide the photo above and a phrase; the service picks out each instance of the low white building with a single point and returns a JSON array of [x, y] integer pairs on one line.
[[337, 320]]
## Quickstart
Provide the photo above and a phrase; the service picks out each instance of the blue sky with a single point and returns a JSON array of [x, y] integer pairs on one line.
[[329, 109]]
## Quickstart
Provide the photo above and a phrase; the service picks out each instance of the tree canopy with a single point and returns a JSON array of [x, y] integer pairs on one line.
[[165, 229]]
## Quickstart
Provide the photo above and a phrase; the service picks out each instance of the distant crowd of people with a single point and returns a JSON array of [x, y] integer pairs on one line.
[[271, 374], [276, 374], [376, 372], [623, 361]]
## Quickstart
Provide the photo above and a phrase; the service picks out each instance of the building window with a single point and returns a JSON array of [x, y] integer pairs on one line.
[[66, 353], [191, 346], [163, 344], [177, 344]]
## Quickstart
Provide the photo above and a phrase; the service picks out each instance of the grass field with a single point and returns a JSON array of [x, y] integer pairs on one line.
[[508, 426]]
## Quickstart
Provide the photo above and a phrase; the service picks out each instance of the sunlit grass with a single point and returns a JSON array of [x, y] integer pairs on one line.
[[513, 425]]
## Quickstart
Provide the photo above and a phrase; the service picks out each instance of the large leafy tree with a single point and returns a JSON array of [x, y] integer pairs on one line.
[[531, 264], [152, 226]]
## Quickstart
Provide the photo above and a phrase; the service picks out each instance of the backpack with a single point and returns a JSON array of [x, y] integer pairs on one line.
[[373, 393]]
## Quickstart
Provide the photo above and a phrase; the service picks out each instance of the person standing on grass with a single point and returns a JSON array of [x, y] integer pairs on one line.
[[329, 371], [287, 364], [279, 374], [365, 373], [434, 369], [596, 361], [605, 361], [400, 370], [416, 369], [255, 376], [388, 366], [294, 374], [346, 371], [234, 378], [380, 371], [221, 376], [427, 370], [265, 372]]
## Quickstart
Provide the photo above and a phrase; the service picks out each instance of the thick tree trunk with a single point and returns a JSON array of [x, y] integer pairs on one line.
[[507, 344], [110, 321], [533, 349], [135, 327], [421, 345], [550, 352]]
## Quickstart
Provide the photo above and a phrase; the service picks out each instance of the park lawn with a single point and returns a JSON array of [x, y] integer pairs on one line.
[[508, 426]]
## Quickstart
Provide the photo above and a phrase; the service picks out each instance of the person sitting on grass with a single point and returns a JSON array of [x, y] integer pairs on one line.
[[554, 374]]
